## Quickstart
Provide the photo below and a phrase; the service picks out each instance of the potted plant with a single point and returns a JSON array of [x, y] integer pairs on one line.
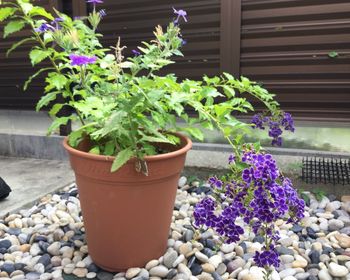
[[127, 152]]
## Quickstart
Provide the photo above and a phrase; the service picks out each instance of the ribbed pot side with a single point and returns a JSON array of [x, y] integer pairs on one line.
[[126, 214]]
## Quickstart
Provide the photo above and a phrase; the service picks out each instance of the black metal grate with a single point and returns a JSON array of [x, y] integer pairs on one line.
[[326, 170]]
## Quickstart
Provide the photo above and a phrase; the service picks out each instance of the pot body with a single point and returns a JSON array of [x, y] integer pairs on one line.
[[126, 214]]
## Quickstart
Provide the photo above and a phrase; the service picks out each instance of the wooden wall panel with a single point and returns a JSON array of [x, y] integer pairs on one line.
[[285, 45]]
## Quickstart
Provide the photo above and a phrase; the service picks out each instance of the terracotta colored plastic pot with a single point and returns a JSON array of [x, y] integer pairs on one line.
[[126, 214]]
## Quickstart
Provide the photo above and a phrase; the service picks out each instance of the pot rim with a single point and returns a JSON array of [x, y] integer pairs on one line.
[[184, 149]]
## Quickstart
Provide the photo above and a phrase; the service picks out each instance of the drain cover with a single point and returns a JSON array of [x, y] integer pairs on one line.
[[326, 170]]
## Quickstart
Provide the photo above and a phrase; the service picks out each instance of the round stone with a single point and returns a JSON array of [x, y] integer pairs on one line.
[[151, 264], [207, 267], [45, 276], [159, 271], [132, 272], [91, 275], [200, 256], [5, 244], [169, 258], [8, 267], [54, 248], [32, 276], [80, 272], [337, 270]]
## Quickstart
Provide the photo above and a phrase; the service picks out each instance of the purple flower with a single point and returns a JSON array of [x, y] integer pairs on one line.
[[136, 52], [56, 22], [215, 182], [183, 42], [44, 27], [102, 13], [274, 123], [231, 159], [95, 1], [180, 14], [267, 258], [79, 60]]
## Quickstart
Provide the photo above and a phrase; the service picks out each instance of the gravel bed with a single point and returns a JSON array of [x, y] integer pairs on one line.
[[48, 242]]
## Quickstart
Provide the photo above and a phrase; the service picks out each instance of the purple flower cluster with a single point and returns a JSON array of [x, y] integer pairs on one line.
[[267, 258], [256, 192], [180, 14], [80, 60], [275, 124]]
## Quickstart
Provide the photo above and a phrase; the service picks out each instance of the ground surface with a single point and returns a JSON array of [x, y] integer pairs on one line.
[[30, 179]]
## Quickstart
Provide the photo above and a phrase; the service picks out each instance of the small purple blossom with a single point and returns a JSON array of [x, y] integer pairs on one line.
[[215, 182], [267, 258], [183, 42], [180, 14], [44, 28], [102, 13], [275, 125], [80, 60], [136, 52], [95, 1], [231, 159], [56, 22]]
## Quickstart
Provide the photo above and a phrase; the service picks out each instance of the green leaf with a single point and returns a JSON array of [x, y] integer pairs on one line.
[[228, 76], [16, 45], [155, 139], [6, 12], [13, 26], [26, 84], [74, 137], [121, 158], [40, 11], [36, 56], [195, 132], [230, 92], [55, 109], [26, 7], [46, 99], [57, 123], [109, 148], [95, 150], [333, 54], [57, 80]]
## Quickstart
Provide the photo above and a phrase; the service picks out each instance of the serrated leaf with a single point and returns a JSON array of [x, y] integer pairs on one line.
[[13, 26], [122, 158], [230, 92], [40, 11], [16, 45], [6, 12], [55, 109], [228, 76], [36, 56], [46, 99], [26, 84], [195, 132], [58, 81], [57, 123]]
